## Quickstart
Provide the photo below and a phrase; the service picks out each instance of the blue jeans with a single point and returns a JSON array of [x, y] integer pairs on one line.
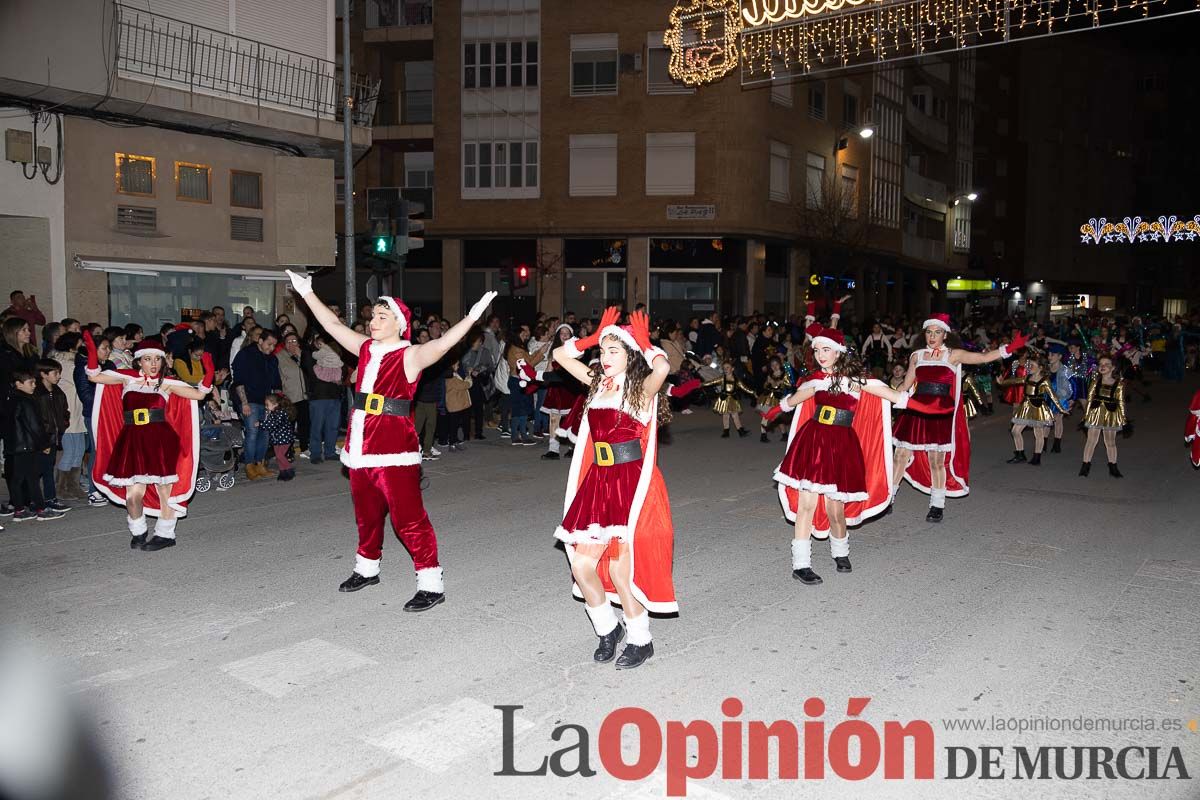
[[323, 431], [73, 447], [522, 409], [541, 422], [256, 437], [90, 485]]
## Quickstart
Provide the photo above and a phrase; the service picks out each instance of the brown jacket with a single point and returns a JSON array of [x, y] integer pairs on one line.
[[516, 352], [458, 394]]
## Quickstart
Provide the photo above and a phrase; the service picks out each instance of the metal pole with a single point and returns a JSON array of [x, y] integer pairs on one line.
[[348, 172]]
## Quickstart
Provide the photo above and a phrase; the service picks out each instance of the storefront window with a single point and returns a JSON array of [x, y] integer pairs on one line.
[[152, 300]]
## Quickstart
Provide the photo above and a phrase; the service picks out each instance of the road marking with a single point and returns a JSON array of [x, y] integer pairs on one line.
[[284, 670], [437, 736], [119, 675]]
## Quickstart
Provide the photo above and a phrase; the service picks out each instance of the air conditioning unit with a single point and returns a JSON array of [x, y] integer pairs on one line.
[[631, 62]]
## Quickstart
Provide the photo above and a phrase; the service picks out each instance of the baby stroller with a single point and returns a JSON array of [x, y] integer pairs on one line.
[[220, 445]]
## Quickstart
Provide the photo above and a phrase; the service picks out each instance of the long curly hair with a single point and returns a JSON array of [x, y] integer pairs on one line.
[[849, 365], [633, 394]]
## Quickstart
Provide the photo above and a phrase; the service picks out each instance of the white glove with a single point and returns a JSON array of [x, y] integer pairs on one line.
[[480, 306], [301, 283]]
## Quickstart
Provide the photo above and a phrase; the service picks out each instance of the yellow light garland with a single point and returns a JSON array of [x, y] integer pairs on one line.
[[713, 50]]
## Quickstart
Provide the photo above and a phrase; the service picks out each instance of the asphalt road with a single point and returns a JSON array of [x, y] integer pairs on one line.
[[230, 666]]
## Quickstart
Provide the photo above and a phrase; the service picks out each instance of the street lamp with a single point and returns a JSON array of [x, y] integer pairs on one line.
[[865, 131], [970, 197]]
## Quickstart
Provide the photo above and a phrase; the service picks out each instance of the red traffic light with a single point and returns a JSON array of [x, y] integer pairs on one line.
[[523, 272]]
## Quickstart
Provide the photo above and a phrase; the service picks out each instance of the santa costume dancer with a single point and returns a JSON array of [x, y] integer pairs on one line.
[[837, 470], [617, 517], [147, 440], [382, 451], [933, 445], [561, 394], [1191, 431]]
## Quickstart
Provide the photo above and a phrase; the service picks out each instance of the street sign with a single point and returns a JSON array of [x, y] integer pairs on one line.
[[691, 212]]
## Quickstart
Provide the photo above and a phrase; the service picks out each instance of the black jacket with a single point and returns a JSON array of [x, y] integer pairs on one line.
[[316, 388], [54, 412], [24, 432]]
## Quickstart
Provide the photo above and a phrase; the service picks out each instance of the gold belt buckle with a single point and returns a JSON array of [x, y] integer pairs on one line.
[[827, 415], [141, 416], [374, 404], [604, 454]]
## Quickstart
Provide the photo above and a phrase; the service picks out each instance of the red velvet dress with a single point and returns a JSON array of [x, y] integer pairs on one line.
[[826, 459], [382, 440], [600, 510], [918, 431], [145, 453], [569, 427]]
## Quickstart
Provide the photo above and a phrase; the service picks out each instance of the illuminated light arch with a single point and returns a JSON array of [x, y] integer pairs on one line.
[[1134, 230]]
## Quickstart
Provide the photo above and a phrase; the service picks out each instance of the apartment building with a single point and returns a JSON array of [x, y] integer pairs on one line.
[[181, 157], [552, 135]]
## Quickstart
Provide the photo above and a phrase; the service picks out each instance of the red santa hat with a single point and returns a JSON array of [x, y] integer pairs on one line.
[[149, 347], [828, 337], [525, 373], [403, 314], [938, 321], [622, 332]]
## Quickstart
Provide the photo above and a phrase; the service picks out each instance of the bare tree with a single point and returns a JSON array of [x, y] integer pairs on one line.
[[547, 264], [831, 221]]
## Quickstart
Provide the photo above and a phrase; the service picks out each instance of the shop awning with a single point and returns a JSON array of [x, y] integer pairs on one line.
[[153, 269]]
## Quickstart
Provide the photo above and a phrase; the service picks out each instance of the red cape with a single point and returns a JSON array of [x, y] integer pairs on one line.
[[873, 425], [653, 534], [958, 460], [108, 417], [1191, 432]]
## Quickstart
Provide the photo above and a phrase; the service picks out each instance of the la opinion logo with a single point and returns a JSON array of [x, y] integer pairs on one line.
[[703, 40]]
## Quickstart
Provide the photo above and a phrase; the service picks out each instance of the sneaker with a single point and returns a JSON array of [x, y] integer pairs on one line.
[[433, 451], [96, 500], [48, 513], [430, 456], [304, 454], [528, 441], [7, 510], [23, 515], [57, 506], [505, 433], [686, 411]]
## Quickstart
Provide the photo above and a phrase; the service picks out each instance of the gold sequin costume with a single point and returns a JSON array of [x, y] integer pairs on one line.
[[972, 399], [1039, 404], [1105, 405], [727, 401], [774, 390]]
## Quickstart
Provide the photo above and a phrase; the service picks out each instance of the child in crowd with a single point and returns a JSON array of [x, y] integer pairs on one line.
[[191, 370], [55, 417], [25, 439], [458, 407], [280, 427]]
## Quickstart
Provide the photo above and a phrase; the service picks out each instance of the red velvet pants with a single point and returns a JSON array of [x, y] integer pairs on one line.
[[396, 491]]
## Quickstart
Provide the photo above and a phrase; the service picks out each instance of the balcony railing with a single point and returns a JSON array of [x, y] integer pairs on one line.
[[204, 60], [399, 13]]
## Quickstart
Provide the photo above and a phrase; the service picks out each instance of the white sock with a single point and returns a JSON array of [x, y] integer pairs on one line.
[[137, 527], [553, 445], [165, 527], [839, 547], [638, 629], [603, 618], [937, 498], [801, 553], [428, 580], [367, 567]]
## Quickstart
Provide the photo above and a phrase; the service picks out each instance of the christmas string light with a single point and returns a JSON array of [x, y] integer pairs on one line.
[[703, 39], [1132, 230]]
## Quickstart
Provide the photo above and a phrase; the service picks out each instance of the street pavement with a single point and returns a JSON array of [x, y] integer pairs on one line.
[[231, 667]]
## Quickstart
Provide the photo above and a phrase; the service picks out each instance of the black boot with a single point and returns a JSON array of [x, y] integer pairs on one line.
[[423, 600], [607, 649], [843, 563], [1036, 461], [136, 542], [806, 576], [1112, 470], [1018, 457], [725, 433], [1084, 469], [634, 655], [742, 432], [1057, 448], [157, 543], [763, 437], [935, 514], [356, 582], [550, 455]]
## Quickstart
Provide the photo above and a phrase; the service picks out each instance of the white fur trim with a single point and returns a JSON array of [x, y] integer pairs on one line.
[[802, 553], [165, 528], [937, 498], [593, 534], [839, 548], [786, 407], [830, 490], [965, 490], [394, 307], [136, 526], [367, 567], [130, 481], [653, 353], [566, 433], [904, 398], [637, 629], [622, 334], [562, 412], [149, 351], [604, 620], [825, 341], [572, 347], [935, 323], [352, 454], [430, 580], [92, 372], [934, 448], [363, 461]]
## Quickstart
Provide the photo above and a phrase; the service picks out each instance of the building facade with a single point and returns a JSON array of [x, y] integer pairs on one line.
[[553, 136]]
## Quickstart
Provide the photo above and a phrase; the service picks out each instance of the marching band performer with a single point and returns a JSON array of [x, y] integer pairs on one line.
[[1104, 415]]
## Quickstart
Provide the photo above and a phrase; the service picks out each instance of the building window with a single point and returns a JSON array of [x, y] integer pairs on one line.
[[416, 104], [781, 172], [500, 165], [135, 174], [245, 189], [814, 181], [500, 64], [658, 76], [670, 163], [850, 110], [781, 91], [1001, 209], [593, 64], [816, 100], [594, 165], [1001, 167], [939, 108], [192, 182], [339, 191], [850, 190], [418, 170], [246, 229]]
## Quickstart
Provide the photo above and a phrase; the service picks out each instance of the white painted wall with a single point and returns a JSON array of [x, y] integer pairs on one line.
[[34, 198]]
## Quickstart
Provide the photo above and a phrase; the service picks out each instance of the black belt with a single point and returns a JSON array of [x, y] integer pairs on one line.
[[376, 404], [832, 415], [926, 387], [609, 454], [144, 416]]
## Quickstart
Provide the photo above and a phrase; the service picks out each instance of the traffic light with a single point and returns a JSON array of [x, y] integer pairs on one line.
[[406, 226], [383, 246], [520, 276]]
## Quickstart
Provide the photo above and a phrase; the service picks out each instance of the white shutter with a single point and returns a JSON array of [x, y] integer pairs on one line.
[[594, 165], [781, 172], [670, 163], [209, 13], [299, 25]]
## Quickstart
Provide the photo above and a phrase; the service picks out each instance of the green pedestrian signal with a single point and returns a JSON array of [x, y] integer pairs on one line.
[[383, 245]]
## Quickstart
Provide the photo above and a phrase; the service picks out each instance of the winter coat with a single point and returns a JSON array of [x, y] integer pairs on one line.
[[71, 390], [24, 432]]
